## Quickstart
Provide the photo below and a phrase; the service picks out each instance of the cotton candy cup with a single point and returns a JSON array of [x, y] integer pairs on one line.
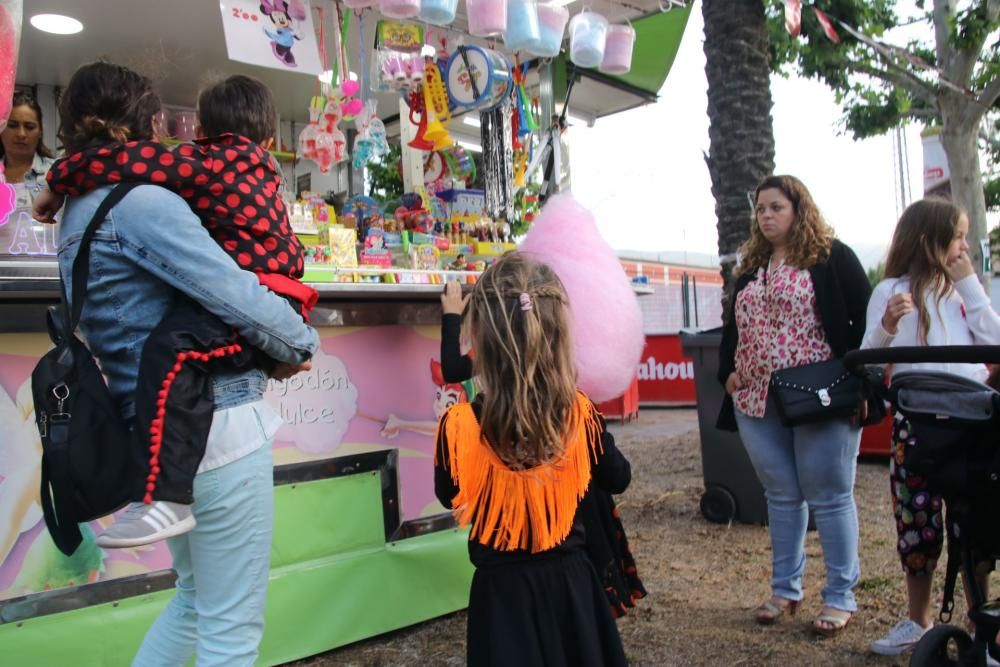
[[606, 320], [10, 35]]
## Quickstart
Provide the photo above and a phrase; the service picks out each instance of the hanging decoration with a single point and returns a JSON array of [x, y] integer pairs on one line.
[[498, 159], [793, 17], [477, 78]]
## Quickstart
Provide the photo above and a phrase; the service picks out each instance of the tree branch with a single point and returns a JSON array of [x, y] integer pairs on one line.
[[898, 76], [991, 93]]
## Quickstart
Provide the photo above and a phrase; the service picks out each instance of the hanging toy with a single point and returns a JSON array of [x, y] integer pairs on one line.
[[460, 163], [307, 137], [437, 113], [418, 116], [350, 106]]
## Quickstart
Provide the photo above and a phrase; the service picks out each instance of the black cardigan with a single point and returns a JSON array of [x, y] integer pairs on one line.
[[842, 292]]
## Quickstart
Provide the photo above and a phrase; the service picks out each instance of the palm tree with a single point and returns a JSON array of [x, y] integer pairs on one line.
[[741, 141]]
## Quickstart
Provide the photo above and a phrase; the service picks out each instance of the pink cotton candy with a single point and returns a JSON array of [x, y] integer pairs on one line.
[[606, 319], [9, 37]]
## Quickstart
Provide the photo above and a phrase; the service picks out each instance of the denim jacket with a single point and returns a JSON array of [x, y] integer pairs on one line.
[[150, 248]]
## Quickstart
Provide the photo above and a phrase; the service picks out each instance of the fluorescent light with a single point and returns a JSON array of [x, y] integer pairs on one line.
[[471, 120], [57, 24], [472, 146]]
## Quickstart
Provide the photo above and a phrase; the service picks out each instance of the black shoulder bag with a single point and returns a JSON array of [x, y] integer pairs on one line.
[[821, 391], [87, 469]]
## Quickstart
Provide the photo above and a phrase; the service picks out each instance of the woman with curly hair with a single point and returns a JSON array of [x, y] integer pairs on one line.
[[799, 298]]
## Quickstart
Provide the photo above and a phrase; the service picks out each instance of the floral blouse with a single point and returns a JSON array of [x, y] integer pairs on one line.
[[779, 327]]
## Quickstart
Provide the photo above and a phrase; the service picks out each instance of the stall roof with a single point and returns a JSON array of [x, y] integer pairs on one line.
[[180, 45]]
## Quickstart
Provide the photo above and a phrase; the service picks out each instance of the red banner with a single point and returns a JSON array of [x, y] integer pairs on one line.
[[666, 376]]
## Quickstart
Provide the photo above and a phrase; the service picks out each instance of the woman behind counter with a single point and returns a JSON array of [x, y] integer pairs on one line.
[[25, 158]]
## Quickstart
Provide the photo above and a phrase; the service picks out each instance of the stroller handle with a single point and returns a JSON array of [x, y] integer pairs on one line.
[[922, 354]]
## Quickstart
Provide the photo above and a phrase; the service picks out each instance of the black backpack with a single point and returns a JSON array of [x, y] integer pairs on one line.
[[88, 470]]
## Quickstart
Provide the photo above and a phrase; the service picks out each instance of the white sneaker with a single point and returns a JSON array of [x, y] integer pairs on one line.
[[144, 524], [903, 637]]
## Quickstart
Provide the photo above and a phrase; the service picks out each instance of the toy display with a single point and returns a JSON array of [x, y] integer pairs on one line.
[[478, 78]]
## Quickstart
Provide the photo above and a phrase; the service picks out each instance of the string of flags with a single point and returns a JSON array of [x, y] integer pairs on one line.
[[891, 52]]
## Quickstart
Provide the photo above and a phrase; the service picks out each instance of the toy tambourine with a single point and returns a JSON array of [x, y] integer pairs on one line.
[[489, 84]]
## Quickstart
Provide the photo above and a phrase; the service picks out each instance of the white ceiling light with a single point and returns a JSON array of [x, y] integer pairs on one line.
[[470, 145], [57, 24]]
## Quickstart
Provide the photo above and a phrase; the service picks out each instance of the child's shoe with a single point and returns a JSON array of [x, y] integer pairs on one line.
[[144, 524]]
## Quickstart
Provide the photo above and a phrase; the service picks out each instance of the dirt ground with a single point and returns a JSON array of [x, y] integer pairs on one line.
[[703, 579]]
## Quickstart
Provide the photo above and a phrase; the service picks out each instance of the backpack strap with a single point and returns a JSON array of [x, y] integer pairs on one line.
[[56, 463], [81, 264]]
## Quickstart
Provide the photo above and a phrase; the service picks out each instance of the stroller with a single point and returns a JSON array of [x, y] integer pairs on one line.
[[955, 423]]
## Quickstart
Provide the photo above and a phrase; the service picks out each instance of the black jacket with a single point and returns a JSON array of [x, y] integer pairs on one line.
[[842, 292]]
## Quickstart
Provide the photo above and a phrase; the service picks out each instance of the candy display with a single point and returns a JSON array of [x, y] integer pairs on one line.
[[618, 50], [486, 17], [588, 33], [438, 12], [552, 19], [522, 25]]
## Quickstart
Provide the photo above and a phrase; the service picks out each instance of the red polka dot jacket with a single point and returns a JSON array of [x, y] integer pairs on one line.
[[231, 184]]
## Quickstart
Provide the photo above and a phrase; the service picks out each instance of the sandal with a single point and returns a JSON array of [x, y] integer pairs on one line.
[[835, 623], [771, 611]]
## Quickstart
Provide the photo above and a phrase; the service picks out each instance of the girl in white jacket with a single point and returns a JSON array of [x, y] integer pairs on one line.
[[930, 296]]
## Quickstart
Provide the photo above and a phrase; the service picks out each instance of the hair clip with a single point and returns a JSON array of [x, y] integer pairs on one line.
[[525, 301]]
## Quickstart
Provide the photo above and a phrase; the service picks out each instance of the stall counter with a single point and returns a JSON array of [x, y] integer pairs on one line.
[[366, 411]]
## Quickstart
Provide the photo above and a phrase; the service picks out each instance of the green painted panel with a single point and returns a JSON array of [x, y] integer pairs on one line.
[[657, 39], [333, 581], [312, 607], [327, 516], [316, 607]]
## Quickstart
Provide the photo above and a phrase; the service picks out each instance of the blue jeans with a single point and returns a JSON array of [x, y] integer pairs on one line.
[[222, 570], [803, 467]]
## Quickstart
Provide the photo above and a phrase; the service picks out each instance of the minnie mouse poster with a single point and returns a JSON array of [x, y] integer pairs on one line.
[[282, 33], [279, 34]]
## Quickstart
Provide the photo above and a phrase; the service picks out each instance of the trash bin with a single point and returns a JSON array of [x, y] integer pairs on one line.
[[732, 490]]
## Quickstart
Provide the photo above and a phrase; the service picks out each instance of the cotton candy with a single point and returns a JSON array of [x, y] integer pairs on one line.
[[10, 36], [606, 319]]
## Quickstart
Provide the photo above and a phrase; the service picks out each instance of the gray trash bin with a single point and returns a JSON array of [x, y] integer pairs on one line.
[[732, 490]]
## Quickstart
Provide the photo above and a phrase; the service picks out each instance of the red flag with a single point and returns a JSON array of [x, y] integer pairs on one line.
[[827, 26], [793, 17]]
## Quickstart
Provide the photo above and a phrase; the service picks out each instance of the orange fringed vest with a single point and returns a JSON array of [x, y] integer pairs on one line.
[[508, 509]]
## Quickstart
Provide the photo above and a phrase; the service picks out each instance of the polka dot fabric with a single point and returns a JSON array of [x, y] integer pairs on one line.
[[230, 183], [919, 513]]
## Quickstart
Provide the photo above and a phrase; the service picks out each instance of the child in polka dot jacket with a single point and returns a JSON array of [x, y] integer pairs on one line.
[[232, 184]]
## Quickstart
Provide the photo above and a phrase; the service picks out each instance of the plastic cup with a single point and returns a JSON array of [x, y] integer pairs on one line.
[[438, 12], [618, 50], [486, 17], [588, 33], [552, 19], [522, 25], [399, 9]]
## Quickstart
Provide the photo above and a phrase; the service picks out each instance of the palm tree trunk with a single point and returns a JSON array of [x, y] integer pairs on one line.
[[741, 148]]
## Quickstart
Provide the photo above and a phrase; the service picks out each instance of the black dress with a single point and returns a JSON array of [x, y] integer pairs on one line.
[[545, 609]]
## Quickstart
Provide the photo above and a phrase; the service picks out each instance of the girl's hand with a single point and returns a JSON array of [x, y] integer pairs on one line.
[[960, 267], [452, 301], [734, 382], [898, 306], [45, 206]]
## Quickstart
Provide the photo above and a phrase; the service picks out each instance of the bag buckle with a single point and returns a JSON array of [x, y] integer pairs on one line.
[[61, 392], [824, 397]]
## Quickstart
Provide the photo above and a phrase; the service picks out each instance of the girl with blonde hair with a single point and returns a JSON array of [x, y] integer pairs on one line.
[[930, 296], [515, 464]]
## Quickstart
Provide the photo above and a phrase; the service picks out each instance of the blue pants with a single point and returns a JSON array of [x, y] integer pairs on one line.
[[805, 467], [222, 570]]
